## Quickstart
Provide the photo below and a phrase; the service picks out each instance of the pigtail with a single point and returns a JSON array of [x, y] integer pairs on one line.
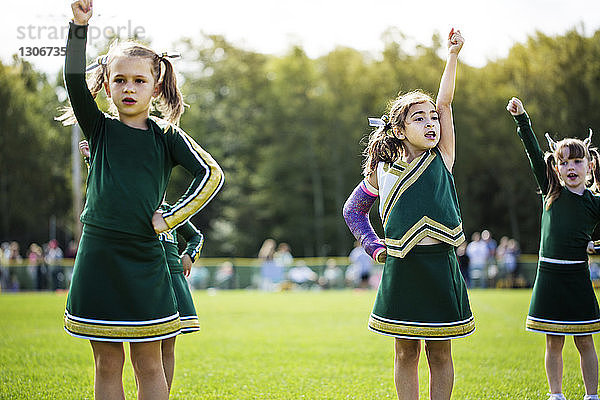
[[95, 83], [554, 185], [595, 181], [382, 146], [97, 78], [169, 101]]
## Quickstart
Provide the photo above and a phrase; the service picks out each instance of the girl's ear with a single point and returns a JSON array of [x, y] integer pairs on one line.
[[157, 89], [106, 89], [398, 133], [555, 166]]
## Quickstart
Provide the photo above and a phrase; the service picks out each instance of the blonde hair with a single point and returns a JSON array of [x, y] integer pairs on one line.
[[169, 101], [576, 149], [383, 145], [267, 250]]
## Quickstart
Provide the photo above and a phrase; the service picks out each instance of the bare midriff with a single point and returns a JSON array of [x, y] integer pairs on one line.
[[428, 240]]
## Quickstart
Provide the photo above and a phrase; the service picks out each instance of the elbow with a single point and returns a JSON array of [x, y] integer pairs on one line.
[[221, 174], [444, 105], [347, 211], [220, 177], [214, 175]]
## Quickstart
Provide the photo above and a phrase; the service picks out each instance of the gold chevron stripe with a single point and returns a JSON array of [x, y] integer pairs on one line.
[[407, 178], [453, 237]]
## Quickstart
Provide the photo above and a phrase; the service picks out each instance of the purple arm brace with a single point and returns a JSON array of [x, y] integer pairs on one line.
[[356, 215]]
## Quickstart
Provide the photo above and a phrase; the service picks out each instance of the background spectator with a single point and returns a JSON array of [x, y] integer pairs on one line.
[[4, 272], [509, 259], [361, 264], [302, 276], [37, 267], [478, 253], [333, 276], [198, 278], [54, 256], [224, 278], [271, 274], [283, 256], [463, 262]]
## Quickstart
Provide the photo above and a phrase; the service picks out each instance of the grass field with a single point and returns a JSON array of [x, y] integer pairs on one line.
[[293, 345]]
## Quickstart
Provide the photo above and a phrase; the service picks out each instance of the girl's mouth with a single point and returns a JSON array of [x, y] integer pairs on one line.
[[430, 135], [129, 101], [572, 175]]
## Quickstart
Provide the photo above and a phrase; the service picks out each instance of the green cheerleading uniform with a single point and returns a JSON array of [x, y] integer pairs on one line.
[[422, 294], [563, 301], [121, 286], [195, 240]]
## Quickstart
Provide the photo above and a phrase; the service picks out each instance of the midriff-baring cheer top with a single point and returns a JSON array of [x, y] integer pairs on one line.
[[410, 212]]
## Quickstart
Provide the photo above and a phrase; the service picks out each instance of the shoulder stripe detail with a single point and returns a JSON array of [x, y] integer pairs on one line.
[[407, 177]]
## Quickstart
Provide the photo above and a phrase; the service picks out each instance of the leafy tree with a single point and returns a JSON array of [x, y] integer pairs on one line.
[[34, 183]]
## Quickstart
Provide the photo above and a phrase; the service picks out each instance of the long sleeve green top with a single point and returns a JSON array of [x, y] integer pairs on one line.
[[131, 167], [567, 226]]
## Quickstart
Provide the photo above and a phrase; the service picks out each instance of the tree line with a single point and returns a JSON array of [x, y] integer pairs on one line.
[[289, 131]]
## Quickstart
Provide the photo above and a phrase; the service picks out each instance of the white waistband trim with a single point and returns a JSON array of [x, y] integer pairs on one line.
[[555, 261]]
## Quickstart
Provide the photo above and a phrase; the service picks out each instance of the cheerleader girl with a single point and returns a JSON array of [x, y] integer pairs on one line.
[[563, 300], [121, 287], [179, 268], [422, 295]]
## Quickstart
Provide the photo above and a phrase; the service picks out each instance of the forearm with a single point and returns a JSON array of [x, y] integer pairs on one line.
[[75, 52], [444, 108], [356, 214], [446, 90], [533, 150], [194, 239], [84, 106]]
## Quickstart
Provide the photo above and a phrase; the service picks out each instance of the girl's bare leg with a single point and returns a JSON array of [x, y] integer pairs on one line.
[[589, 362], [109, 358], [441, 369], [406, 361], [146, 358], [554, 362], [168, 359]]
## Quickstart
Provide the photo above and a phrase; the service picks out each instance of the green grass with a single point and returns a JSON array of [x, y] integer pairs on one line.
[[294, 345]]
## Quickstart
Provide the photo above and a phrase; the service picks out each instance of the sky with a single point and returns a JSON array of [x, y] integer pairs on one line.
[[490, 28]]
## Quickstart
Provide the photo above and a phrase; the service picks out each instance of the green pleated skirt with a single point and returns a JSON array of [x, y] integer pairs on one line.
[[563, 301], [120, 290], [423, 296], [185, 303]]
